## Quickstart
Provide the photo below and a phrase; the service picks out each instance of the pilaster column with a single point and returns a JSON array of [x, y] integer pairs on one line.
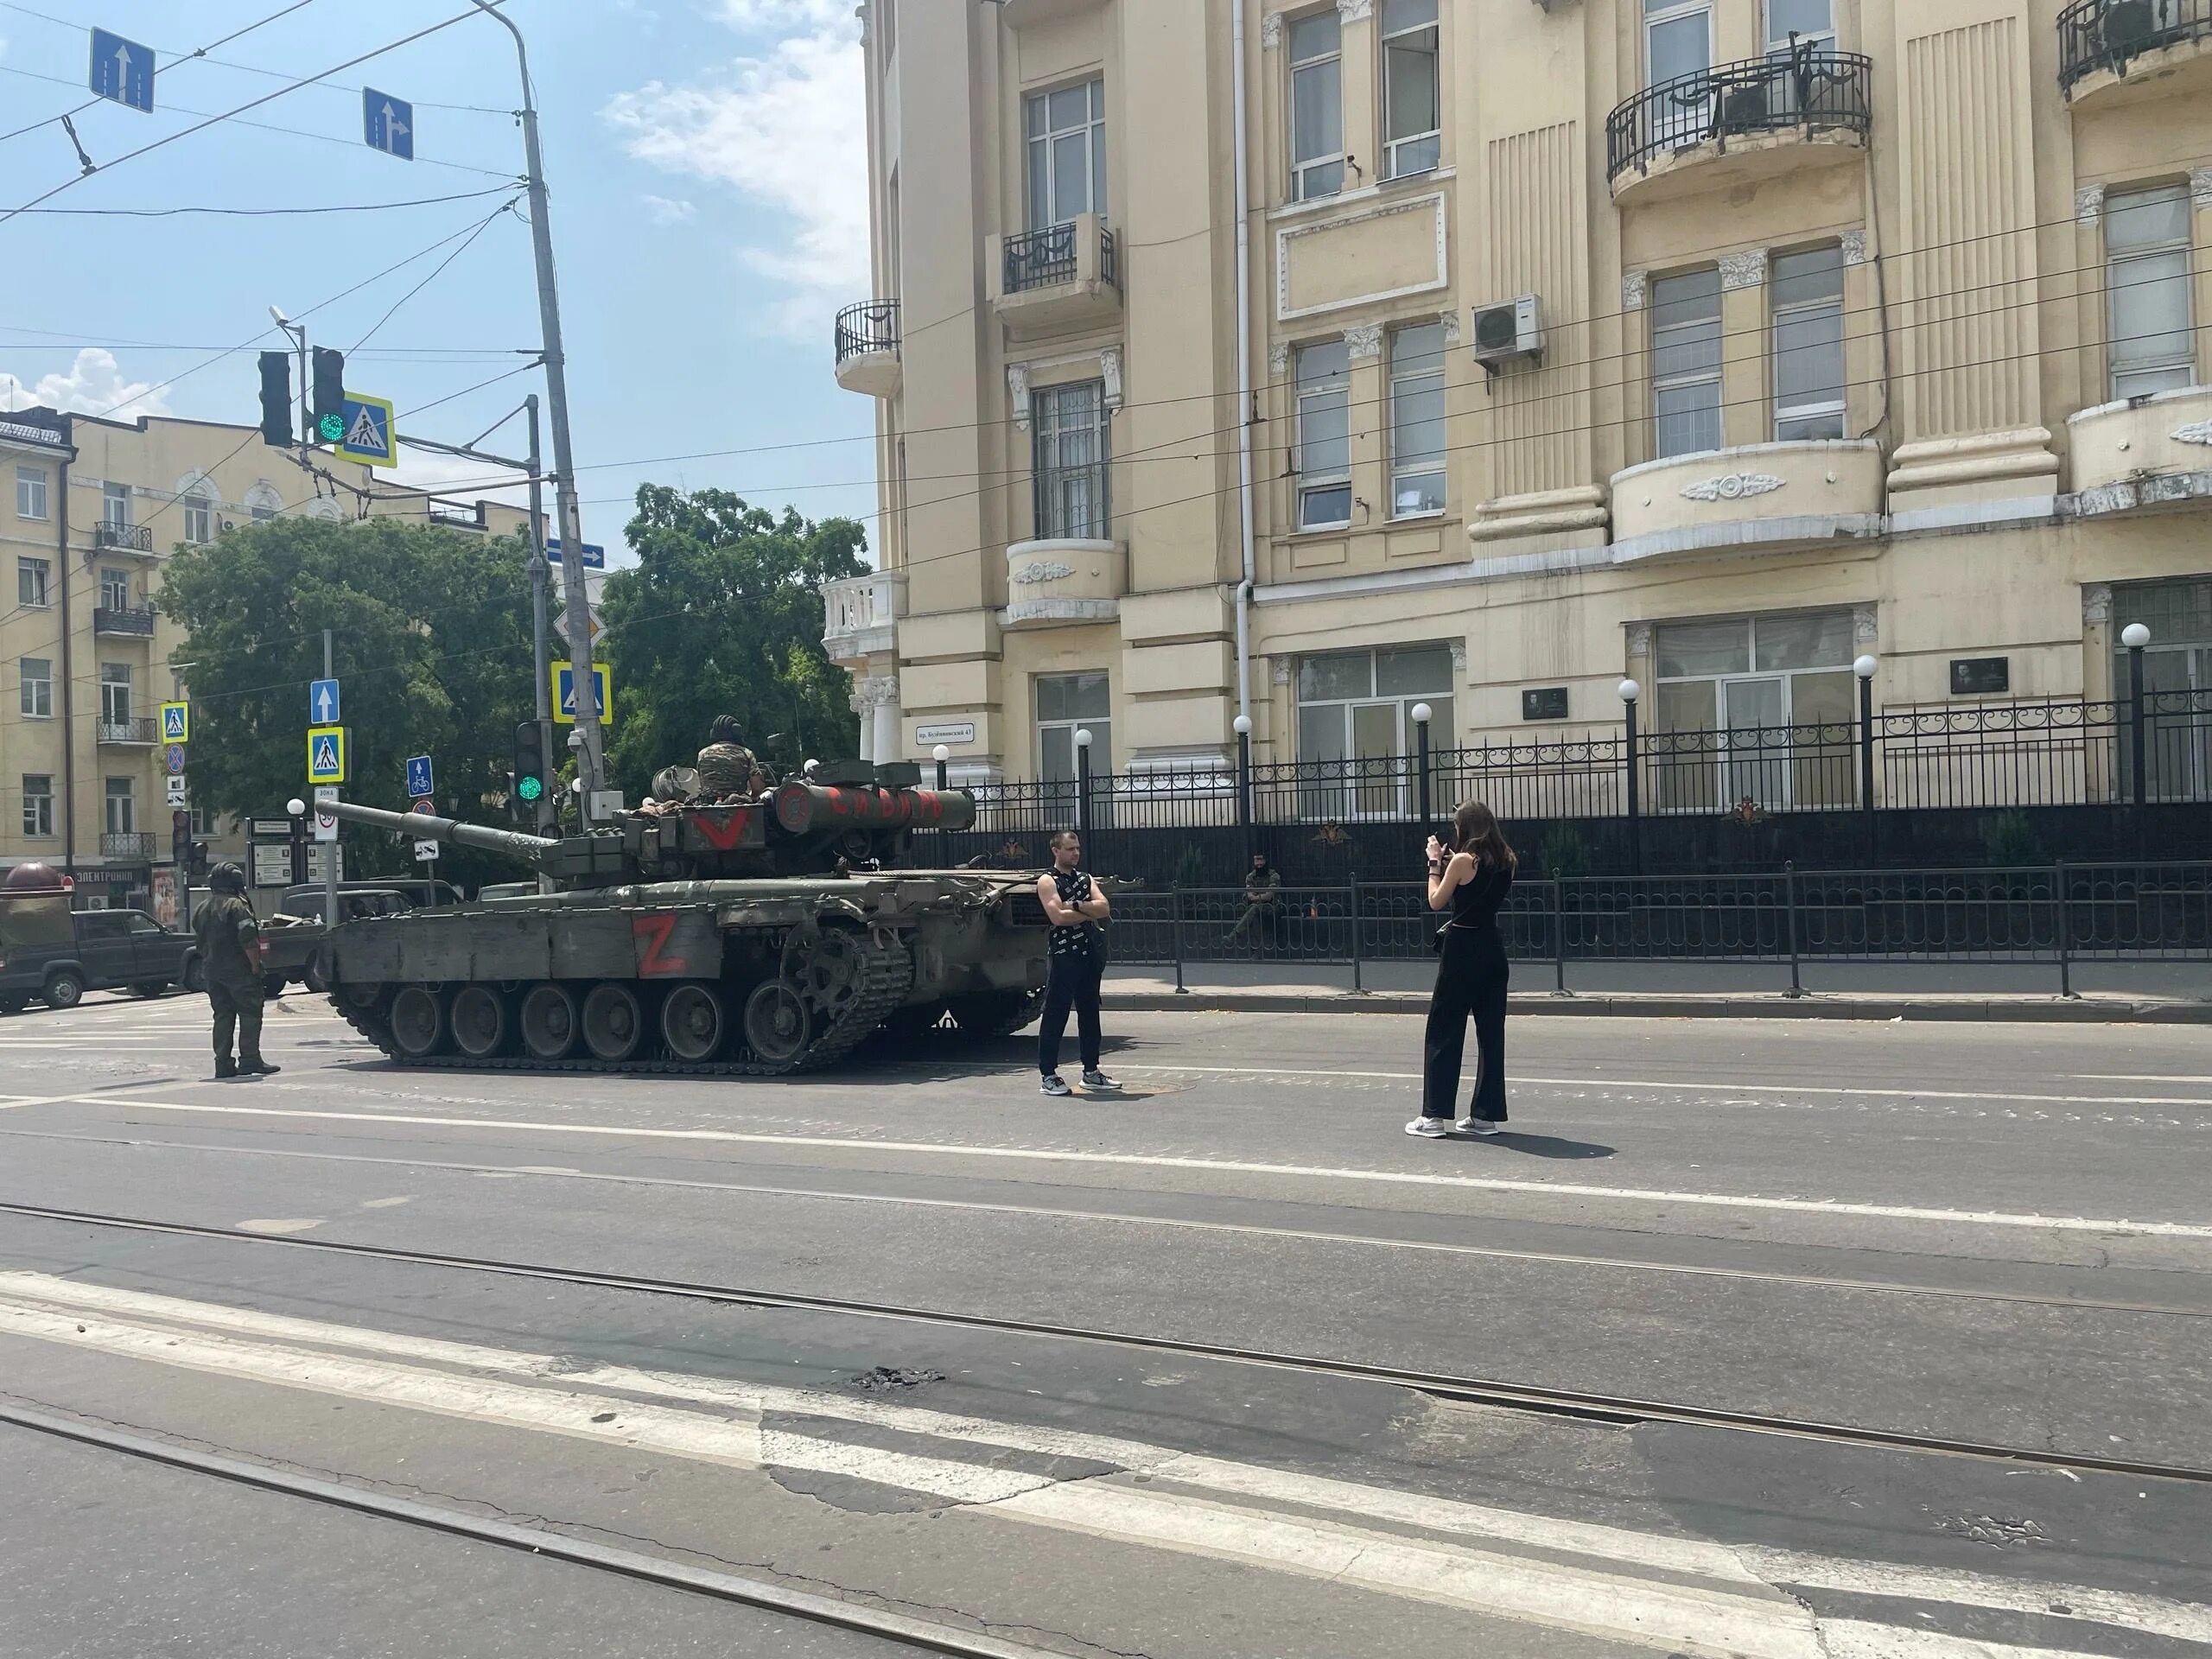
[[1747, 414]]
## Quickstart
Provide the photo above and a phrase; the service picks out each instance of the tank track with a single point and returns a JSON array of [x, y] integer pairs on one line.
[[887, 971], [1021, 1014]]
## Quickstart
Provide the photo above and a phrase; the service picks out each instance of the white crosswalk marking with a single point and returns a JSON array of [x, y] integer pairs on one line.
[[1648, 1589]]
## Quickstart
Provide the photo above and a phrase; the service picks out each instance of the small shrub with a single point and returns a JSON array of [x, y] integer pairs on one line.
[[1190, 869], [1563, 853], [2008, 841]]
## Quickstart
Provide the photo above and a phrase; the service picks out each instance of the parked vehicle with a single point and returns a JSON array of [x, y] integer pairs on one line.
[[291, 940], [54, 954]]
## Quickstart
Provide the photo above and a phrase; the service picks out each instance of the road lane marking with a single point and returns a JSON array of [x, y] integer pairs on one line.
[[280, 1227], [1724, 1597], [1216, 1165], [1047, 1212]]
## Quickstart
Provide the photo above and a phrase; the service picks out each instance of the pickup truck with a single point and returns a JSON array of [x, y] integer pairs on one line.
[[291, 940], [90, 950]]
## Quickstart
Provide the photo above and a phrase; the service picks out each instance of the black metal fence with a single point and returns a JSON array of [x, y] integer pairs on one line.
[[2095, 35], [1801, 89], [870, 326], [2024, 753], [2063, 915], [1040, 258]]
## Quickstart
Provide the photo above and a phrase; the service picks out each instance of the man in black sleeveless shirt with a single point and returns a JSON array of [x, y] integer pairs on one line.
[[1075, 908]]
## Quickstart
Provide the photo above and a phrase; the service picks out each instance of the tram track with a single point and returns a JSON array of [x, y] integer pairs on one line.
[[1617, 1409]]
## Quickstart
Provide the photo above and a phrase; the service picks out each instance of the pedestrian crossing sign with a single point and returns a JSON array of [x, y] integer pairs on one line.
[[326, 754], [371, 438], [176, 722]]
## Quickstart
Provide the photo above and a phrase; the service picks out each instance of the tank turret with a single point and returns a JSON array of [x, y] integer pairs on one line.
[[797, 828]]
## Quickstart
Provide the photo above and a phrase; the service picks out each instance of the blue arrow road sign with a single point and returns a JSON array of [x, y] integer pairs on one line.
[[323, 703], [388, 122], [418, 777], [123, 70], [595, 555]]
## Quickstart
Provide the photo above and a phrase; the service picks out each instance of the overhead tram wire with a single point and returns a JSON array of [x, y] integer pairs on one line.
[[506, 206], [251, 104], [263, 212]]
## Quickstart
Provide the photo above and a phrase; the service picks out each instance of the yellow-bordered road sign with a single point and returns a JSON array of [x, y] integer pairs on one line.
[[372, 437], [176, 722], [326, 754], [565, 692]]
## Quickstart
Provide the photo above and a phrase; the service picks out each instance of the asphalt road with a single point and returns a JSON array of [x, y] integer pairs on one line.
[[1992, 1234]]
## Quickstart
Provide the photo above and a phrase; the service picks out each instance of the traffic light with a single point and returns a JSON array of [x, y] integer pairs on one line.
[[276, 399], [533, 775], [327, 406]]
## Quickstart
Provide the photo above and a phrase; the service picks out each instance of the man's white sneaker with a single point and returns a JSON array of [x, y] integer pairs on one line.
[[1056, 1085], [1095, 1080], [1481, 1126], [1430, 1129]]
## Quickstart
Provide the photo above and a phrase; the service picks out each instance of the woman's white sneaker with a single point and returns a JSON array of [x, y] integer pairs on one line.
[[1430, 1129]]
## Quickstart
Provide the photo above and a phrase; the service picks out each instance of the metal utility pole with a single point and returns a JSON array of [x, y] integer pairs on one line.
[[538, 574], [330, 858], [591, 761]]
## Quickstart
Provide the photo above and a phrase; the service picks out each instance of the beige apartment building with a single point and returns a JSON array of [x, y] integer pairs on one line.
[[95, 509], [1311, 361]]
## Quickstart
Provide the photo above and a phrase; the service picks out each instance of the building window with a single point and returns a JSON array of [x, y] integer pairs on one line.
[[1809, 374], [1324, 435], [204, 822], [38, 805], [1317, 107], [122, 806], [2146, 247], [1686, 362], [1756, 708], [263, 503], [1356, 727], [30, 491], [1811, 21], [115, 589], [30, 582], [1065, 704], [1070, 427], [1413, 113], [2177, 686], [35, 675], [115, 693], [199, 518], [1067, 154], [1678, 42], [1417, 420], [115, 504]]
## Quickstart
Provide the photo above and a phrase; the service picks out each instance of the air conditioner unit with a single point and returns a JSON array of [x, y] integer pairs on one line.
[[1509, 331]]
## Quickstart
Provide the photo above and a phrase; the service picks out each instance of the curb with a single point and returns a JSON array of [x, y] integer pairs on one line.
[[2022, 1010]]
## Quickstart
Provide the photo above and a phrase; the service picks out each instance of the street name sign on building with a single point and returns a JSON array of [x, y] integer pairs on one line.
[[418, 779], [122, 71], [325, 706], [176, 722], [949, 734], [388, 124], [565, 693], [326, 754], [371, 438], [326, 824]]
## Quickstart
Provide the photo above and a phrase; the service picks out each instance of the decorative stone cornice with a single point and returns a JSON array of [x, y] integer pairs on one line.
[[1271, 31], [1281, 666], [877, 690], [2096, 603], [1639, 638], [1017, 393], [2194, 432], [1353, 11], [1745, 270], [1278, 358], [2089, 205], [1040, 570], [1854, 247], [1364, 339], [1109, 372], [1733, 486], [1865, 624], [1633, 284], [1458, 648], [2200, 188], [1451, 321]]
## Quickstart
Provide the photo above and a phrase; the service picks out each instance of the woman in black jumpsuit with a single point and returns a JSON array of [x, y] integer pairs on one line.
[[1469, 879]]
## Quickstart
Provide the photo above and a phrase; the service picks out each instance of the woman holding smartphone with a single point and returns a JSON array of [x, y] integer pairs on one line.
[[1468, 879]]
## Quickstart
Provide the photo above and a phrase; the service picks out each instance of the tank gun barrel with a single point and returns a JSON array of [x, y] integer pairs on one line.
[[530, 849]]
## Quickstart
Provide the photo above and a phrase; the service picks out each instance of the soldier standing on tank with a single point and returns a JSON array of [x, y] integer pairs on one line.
[[228, 931], [727, 768]]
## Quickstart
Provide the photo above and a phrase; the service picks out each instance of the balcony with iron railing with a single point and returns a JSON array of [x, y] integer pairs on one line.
[[128, 732], [1070, 571], [1056, 278], [123, 538], [2106, 45], [867, 348], [127, 843], [129, 622], [1739, 122]]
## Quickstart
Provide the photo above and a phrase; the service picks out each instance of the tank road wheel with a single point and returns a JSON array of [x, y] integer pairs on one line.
[[483, 1022], [832, 971], [419, 1027], [363, 995], [612, 1022], [776, 1028], [548, 1022], [693, 1021]]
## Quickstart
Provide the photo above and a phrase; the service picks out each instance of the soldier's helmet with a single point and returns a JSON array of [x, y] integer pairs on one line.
[[226, 877], [725, 729], [676, 783]]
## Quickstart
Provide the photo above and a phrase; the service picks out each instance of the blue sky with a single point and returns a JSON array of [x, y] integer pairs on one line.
[[707, 159]]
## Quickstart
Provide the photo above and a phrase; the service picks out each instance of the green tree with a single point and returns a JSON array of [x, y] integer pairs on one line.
[[431, 636], [722, 614]]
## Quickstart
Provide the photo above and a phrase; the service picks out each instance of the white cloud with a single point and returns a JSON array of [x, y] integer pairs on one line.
[[787, 130], [94, 386], [665, 211]]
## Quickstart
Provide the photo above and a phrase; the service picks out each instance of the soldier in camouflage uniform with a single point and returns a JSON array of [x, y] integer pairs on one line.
[[228, 932], [727, 768]]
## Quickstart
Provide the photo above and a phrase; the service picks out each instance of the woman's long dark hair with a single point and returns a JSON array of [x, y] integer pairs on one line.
[[1474, 829]]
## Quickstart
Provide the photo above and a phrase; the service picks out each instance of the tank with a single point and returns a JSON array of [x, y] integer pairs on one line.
[[760, 938]]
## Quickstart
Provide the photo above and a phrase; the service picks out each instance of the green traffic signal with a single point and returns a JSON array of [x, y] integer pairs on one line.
[[331, 427], [530, 788]]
